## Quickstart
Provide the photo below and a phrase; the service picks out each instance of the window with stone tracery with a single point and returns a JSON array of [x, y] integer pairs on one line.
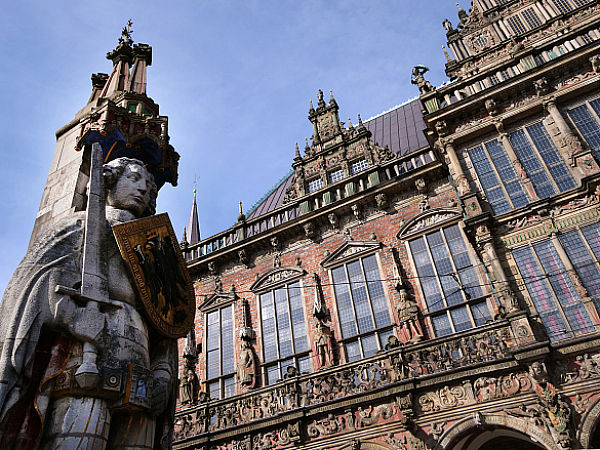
[[362, 306], [552, 269], [220, 366], [585, 118], [283, 330], [450, 280]]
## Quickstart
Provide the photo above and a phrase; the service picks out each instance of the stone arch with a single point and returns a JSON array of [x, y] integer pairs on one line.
[[589, 423], [513, 425]]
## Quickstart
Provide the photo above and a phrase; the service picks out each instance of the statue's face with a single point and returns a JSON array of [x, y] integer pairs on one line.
[[132, 191]]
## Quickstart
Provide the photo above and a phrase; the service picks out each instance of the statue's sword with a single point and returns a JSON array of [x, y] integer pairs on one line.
[[94, 277]]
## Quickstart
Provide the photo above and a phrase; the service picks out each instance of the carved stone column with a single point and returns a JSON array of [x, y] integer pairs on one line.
[[569, 143], [579, 287], [527, 184], [460, 180]]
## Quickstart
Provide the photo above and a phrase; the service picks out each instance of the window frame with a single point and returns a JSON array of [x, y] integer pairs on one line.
[[221, 378], [486, 288], [568, 332], [594, 115], [377, 332], [295, 356]]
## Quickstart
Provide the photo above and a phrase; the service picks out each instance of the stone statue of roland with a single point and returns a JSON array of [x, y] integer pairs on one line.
[[48, 335]]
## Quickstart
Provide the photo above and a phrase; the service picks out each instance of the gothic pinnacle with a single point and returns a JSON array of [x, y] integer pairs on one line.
[[448, 58], [306, 146], [350, 127], [360, 123], [311, 110], [297, 151]]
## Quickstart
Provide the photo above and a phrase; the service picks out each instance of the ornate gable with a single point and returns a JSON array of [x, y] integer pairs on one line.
[[350, 250], [217, 300], [276, 277], [428, 219]]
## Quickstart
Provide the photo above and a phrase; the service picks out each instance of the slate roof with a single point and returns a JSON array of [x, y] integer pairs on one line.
[[401, 129]]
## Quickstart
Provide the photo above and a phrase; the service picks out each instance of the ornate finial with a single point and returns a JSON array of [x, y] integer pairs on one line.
[[241, 217], [184, 242], [350, 127], [360, 123], [448, 58], [126, 34], [297, 151], [306, 146], [312, 109], [195, 180]]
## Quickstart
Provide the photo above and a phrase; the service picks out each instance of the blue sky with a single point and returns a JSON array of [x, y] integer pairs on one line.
[[235, 78]]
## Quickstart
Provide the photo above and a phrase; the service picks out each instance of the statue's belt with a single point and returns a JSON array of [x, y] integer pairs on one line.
[[133, 384]]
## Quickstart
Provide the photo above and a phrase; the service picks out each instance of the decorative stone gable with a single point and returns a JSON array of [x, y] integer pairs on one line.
[[276, 277], [218, 299], [350, 250], [333, 151], [428, 219]]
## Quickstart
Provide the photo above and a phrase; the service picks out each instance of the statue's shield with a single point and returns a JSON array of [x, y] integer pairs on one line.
[[150, 250]]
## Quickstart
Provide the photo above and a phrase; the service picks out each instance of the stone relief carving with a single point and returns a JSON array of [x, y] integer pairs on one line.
[[582, 367], [446, 398], [371, 415], [395, 443], [277, 438], [326, 426], [487, 388]]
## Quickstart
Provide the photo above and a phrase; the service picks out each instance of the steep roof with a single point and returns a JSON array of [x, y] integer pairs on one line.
[[400, 128]]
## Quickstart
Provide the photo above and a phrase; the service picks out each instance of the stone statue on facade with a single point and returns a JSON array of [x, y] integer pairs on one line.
[[323, 347], [79, 371], [189, 384], [418, 79], [409, 329], [246, 369]]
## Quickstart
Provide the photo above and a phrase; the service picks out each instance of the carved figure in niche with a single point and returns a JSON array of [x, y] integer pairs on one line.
[[323, 347], [189, 384], [541, 86], [381, 201], [418, 79], [333, 220], [309, 230], [409, 329], [421, 185], [490, 105], [246, 368], [45, 333], [595, 60], [463, 185]]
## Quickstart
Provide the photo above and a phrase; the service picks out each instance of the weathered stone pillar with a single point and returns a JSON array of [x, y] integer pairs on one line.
[[569, 141], [460, 180]]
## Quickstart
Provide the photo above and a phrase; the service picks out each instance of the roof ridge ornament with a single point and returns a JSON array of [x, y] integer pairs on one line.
[[126, 34]]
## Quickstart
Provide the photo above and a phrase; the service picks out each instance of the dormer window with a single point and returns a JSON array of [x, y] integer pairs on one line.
[[315, 185], [359, 166], [336, 176]]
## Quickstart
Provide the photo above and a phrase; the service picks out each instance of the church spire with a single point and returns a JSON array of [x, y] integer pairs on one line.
[[193, 228]]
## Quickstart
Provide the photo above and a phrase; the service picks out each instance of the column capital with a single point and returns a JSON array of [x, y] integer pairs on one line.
[[549, 103]]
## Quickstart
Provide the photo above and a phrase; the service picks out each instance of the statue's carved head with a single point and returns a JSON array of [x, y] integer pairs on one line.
[[130, 186]]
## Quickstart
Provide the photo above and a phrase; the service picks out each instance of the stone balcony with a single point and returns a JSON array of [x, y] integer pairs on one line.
[[479, 350]]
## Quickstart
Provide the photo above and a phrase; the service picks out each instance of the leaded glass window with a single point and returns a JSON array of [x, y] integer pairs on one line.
[[362, 307], [552, 290], [449, 281], [359, 166], [583, 248], [563, 6], [498, 177], [220, 365], [545, 167], [581, 2], [315, 185], [283, 326], [336, 176], [584, 120], [531, 18], [516, 25]]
